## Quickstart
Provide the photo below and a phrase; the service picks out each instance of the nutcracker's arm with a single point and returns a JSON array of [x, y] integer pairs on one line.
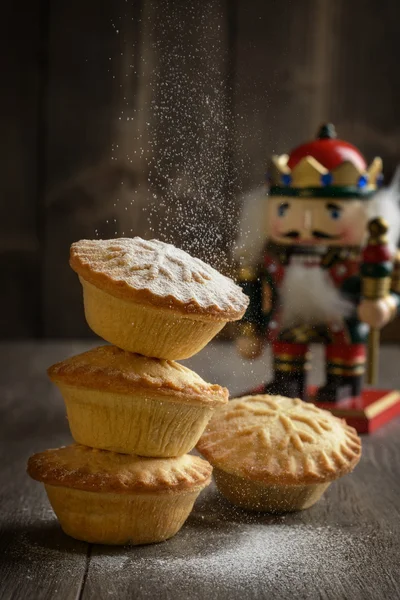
[[259, 286], [249, 279], [250, 341], [395, 285]]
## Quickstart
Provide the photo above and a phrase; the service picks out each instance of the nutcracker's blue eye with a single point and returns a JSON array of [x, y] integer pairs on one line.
[[335, 211], [282, 209]]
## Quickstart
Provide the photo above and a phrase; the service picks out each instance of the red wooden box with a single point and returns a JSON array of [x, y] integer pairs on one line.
[[366, 413]]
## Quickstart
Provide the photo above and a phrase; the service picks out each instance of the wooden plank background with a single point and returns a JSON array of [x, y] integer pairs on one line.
[[152, 118]]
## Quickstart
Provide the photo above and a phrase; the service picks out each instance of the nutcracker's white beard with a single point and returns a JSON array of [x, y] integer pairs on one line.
[[309, 297]]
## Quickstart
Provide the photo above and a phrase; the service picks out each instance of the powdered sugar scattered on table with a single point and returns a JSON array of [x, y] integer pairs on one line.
[[221, 551]]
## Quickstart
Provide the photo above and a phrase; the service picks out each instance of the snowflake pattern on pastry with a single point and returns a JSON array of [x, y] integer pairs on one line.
[[158, 255], [160, 269], [272, 438]]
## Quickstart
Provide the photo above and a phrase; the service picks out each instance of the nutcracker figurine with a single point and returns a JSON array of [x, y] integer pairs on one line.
[[319, 278]]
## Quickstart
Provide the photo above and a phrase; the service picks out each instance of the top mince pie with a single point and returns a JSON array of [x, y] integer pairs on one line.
[[152, 298]]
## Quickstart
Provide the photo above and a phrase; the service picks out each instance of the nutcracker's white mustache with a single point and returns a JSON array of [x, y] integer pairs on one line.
[[309, 297], [320, 235]]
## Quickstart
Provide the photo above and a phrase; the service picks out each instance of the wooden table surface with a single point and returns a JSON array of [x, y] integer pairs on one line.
[[347, 546]]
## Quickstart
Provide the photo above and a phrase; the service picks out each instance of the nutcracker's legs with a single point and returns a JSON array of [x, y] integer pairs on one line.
[[290, 367], [345, 368]]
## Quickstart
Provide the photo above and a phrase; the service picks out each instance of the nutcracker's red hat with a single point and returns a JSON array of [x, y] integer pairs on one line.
[[325, 167]]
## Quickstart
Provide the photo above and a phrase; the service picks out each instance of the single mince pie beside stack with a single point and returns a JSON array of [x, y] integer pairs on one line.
[[277, 454]]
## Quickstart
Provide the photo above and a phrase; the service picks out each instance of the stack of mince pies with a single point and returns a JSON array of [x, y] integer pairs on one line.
[[133, 411]]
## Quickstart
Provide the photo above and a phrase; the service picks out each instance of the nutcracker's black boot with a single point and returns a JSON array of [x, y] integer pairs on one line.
[[292, 385], [338, 387]]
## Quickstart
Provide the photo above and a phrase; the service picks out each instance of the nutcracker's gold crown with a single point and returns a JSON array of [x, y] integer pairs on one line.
[[324, 167]]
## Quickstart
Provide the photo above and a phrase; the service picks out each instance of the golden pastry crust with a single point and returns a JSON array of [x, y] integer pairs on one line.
[[92, 470], [107, 368], [272, 439], [158, 274]]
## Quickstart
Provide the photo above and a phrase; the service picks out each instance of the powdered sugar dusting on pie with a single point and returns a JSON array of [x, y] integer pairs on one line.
[[160, 269]]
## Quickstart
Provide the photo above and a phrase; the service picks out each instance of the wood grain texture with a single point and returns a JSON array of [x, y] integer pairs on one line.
[[189, 127], [36, 559], [346, 546], [21, 74], [278, 90], [138, 135], [152, 118], [299, 64], [86, 171], [363, 111]]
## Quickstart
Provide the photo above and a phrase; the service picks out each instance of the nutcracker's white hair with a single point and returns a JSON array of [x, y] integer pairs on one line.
[[386, 203], [251, 238]]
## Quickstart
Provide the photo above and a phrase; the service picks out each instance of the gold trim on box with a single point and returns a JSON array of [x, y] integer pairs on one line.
[[382, 404], [373, 410]]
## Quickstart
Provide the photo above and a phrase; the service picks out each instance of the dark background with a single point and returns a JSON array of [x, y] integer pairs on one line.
[[152, 118]]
